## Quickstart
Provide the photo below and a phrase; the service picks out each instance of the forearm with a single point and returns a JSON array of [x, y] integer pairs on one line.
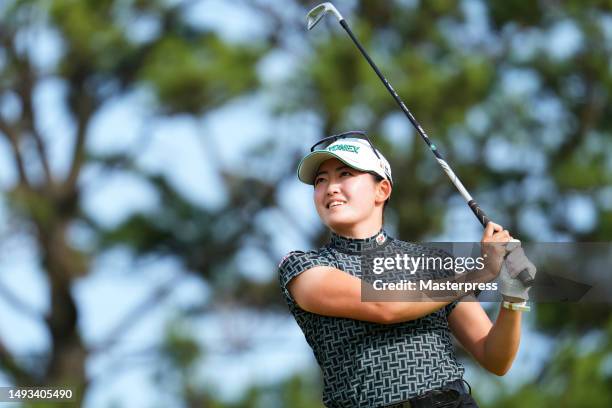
[[420, 303], [502, 342], [331, 292]]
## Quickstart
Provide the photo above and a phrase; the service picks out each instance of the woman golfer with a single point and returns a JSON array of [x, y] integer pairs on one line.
[[381, 354]]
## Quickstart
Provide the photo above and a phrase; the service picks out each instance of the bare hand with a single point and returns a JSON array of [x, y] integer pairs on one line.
[[494, 250], [495, 233]]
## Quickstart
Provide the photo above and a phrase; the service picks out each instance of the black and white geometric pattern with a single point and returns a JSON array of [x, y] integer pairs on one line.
[[368, 364]]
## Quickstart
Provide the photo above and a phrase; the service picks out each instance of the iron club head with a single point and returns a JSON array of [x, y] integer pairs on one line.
[[318, 12]]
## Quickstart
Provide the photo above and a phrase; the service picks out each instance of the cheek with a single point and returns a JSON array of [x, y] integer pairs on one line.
[[359, 190], [318, 196], [363, 190]]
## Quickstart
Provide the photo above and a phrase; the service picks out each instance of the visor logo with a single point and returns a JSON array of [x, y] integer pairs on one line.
[[344, 147]]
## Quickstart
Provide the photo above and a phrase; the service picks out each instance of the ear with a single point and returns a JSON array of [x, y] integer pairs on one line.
[[383, 191]]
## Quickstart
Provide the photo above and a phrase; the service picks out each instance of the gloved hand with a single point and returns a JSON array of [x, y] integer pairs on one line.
[[510, 286]]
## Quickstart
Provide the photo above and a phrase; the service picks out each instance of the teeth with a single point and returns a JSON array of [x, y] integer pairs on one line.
[[335, 204]]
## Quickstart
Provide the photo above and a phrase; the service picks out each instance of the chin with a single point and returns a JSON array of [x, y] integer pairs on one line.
[[340, 221]]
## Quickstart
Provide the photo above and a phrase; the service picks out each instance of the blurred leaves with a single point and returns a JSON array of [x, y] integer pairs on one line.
[[99, 55], [578, 374], [201, 74]]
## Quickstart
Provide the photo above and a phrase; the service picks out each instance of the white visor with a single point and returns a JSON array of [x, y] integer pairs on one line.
[[355, 153]]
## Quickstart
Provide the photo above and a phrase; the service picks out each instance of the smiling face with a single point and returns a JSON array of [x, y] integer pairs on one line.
[[350, 202]]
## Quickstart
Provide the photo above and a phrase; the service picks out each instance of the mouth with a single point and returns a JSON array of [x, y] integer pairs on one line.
[[335, 203]]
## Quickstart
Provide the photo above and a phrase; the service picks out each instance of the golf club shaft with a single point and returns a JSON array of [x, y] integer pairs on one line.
[[314, 16], [480, 215]]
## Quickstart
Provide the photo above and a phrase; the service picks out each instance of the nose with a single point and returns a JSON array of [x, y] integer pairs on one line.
[[333, 187]]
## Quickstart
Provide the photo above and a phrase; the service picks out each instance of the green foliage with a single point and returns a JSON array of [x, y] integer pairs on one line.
[[177, 374], [180, 349], [578, 374], [299, 391], [515, 12], [200, 74], [100, 58], [85, 28], [583, 174]]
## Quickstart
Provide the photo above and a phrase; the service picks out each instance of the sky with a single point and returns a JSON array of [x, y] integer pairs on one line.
[[116, 284]]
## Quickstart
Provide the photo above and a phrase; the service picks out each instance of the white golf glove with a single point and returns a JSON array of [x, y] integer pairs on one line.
[[510, 286]]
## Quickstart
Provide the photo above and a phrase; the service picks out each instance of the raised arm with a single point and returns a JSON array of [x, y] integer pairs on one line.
[[493, 346], [331, 292]]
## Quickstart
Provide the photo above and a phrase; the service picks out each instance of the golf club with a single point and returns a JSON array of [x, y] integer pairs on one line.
[[314, 16]]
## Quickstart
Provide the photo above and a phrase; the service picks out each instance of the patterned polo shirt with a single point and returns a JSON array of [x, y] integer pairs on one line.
[[368, 364]]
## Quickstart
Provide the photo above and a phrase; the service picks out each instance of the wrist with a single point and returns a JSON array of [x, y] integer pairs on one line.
[[516, 306]]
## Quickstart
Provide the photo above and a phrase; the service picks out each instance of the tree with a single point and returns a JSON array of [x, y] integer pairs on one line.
[[188, 70]]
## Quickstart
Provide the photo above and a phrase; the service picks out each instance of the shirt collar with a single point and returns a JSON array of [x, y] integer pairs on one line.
[[356, 245]]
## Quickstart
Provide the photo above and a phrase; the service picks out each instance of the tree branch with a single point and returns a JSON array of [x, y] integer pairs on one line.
[[23, 87], [25, 90], [138, 312], [85, 110], [13, 138], [13, 369], [19, 304]]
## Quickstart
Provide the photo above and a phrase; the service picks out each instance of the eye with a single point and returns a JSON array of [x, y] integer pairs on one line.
[[318, 179], [345, 173]]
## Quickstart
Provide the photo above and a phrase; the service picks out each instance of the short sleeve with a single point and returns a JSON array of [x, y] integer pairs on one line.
[[449, 308], [293, 264]]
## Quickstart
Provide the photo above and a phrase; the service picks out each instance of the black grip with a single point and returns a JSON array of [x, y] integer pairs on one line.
[[482, 217]]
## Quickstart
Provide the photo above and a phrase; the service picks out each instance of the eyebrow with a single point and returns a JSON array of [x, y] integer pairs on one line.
[[338, 169]]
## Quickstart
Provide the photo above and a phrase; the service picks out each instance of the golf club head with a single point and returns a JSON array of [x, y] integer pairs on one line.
[[318, 12]]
